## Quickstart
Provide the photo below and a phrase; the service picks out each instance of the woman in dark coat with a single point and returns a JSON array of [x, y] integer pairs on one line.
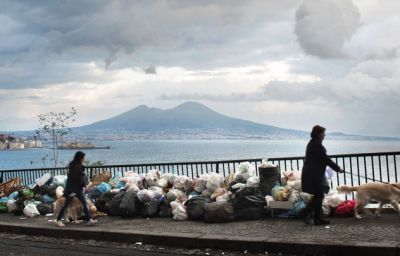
[[76, 182], [313, 179]]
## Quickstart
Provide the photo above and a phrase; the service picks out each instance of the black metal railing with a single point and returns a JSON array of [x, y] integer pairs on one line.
[[360, 168]]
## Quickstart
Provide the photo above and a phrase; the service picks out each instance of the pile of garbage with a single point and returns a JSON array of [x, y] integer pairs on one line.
[[209, 197]]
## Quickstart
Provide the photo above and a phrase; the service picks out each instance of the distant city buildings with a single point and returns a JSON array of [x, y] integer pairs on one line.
[[10, 142]]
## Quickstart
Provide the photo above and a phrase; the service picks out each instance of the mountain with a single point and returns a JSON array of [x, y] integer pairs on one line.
[[187, 118]]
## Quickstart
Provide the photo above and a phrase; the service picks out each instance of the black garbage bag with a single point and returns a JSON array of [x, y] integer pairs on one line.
[[19, 203], [195, 207], [150, 208], [116, 202], [44, 208], [249, 203], [129, 207], [46, 189], [219, 212], [269, 178], [246, 191], [103, 202], [246, 201], [165, 211]]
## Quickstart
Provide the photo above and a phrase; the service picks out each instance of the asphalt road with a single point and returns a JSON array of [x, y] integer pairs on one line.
[[13, 245]]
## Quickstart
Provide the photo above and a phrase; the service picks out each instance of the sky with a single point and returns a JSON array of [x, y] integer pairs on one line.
[[287, 63]]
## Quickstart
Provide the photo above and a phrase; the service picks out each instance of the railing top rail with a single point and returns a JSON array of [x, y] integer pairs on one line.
[[211, 162], [339, 155]]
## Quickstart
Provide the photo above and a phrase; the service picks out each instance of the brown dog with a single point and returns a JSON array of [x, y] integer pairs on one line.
[[382, 192], [74, 210], [72, 213]]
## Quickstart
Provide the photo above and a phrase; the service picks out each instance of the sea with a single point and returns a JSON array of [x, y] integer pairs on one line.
[[166, 151]]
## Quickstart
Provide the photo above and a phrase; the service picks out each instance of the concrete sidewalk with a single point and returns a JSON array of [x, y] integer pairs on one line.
[[370, 236]]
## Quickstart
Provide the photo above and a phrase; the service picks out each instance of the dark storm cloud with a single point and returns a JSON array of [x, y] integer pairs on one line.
[[175, 33]]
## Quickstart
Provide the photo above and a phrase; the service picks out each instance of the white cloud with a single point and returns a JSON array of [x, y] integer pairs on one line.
[[323, 26]]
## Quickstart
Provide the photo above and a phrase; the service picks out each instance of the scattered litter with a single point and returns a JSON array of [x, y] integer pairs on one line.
[[138, 243], [327, 227]]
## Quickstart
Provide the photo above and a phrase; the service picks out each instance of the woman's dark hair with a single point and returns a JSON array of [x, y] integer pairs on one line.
[[316, 131], [78, 157]]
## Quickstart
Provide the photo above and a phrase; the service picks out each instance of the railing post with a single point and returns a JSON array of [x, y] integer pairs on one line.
[[217, 168], [1, 177]]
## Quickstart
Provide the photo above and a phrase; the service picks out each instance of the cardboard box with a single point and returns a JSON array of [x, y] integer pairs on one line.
[[280, 205]]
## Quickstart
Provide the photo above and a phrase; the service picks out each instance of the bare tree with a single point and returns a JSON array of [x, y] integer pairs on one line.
[[55, 126]]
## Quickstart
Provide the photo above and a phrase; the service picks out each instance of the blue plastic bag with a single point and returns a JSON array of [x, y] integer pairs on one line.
[[13, 195], [297, 208], [104, 187], [4, 199]]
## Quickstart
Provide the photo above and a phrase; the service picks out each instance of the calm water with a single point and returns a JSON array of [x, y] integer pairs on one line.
[[150, 151]]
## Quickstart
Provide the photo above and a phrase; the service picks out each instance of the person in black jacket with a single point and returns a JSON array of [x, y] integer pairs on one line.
[[313, 179], [76, 182]]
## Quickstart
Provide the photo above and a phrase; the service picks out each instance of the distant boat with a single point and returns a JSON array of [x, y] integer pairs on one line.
[[80, 145]]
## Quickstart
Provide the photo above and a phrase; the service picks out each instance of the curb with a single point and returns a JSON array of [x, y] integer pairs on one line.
[[235, 243]]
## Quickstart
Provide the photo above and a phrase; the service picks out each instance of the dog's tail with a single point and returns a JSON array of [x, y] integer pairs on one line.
[[346, 189]]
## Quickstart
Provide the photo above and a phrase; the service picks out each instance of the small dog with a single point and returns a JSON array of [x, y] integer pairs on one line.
[[382, 192]]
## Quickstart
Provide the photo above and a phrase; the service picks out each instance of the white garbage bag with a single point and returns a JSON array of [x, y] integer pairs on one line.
[[31, 211], [131, 179], [214, 181], [152, 177], [305, 197], [60, 180], [224, 197], [157, 191], [244, 171], [199, 184], [162, 183], [294, 184], [329, 173], [182, 183], [11, 205], [268, 199], [173, 194], [145, 195], [178, 211], [294, 196], [239, 186], [333, 199], [253, 182]]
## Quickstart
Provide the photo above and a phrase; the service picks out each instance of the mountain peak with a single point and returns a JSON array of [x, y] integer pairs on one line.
[[141, 107], [191, 106]]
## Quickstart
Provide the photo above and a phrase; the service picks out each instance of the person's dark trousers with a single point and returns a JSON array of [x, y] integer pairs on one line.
[[81, 197], [315, 205]]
